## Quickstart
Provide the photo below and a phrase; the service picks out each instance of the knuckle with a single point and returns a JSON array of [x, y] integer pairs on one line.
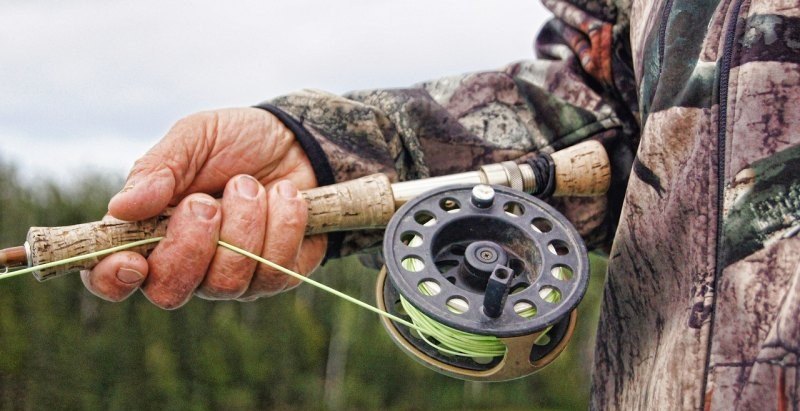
[[143, 165], [290, 224], [241, 221], [293, 222], [192, 120], [204, 123], [201, 197], [140, 164], [199, 207]]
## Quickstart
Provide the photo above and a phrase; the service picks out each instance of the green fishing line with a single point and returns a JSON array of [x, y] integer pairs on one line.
[[319, 285], [439, 336], [448, 339], [223, 244], [451, 341]]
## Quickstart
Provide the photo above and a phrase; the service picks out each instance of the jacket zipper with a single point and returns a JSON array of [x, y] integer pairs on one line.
[[724, 77], [662, 33]]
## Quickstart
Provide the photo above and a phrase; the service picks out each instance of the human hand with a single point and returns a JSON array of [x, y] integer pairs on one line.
[[254, 162]]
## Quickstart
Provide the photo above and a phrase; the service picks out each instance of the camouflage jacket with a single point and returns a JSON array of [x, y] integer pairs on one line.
[[693, 100]]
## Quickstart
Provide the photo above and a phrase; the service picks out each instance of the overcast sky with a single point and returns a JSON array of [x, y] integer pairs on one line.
[[90, 85]]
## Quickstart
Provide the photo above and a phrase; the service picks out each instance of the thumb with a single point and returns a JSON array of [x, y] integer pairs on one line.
[[165, 171], [147, 193]]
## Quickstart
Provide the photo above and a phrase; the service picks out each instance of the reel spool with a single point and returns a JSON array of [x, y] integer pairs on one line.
[[491, 265]]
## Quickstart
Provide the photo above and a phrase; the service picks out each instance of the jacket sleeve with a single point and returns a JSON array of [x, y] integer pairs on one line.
[[577, 89]]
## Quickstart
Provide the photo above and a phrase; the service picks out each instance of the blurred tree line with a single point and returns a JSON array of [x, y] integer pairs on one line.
[[61, 347]]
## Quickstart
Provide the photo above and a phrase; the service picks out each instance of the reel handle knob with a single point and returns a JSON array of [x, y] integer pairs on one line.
[[494, 300]]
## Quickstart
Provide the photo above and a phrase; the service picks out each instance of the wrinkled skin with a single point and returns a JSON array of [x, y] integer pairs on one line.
[[251, 162]]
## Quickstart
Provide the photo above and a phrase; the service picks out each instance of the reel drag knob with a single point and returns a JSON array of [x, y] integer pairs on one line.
[[492, 266], [480, 260]]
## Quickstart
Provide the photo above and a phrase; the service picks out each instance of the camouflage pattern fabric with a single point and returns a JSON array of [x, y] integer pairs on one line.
[[697, 102]]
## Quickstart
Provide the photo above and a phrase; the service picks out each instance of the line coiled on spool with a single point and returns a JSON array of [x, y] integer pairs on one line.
[[449, 340]]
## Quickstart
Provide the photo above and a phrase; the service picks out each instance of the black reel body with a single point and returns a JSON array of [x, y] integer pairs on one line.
[[487, 261]]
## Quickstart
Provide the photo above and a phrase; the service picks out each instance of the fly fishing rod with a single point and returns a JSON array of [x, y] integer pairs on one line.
[[485, 275]]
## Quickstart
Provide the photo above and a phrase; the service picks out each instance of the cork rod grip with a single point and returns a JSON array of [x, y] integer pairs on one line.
[[366, 202], [48, 244], [582, 170]]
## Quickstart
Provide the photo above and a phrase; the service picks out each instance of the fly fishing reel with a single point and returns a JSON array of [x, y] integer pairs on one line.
[[489, 276]]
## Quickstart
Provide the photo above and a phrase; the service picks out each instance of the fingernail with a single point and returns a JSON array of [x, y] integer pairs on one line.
[[247, 186], [287, 190], [129, 276], [203, 208]]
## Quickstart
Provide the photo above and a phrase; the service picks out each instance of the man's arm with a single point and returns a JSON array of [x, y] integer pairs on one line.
[[573, 92]]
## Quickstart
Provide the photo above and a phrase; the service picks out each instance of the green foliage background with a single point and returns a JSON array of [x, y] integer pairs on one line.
[[61, 347]]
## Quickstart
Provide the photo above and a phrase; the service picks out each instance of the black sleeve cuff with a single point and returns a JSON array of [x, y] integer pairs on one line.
[[319, 163]]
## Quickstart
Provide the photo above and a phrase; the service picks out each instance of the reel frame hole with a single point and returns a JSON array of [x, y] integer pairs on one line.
[[450, 205], [429, 288], [562, 272], [514, 209], [411, 239], [425, 218], [412, 264], [558, 247], [525, 309], [541, 225], [457, 305], [520, 287], [550, 294]]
